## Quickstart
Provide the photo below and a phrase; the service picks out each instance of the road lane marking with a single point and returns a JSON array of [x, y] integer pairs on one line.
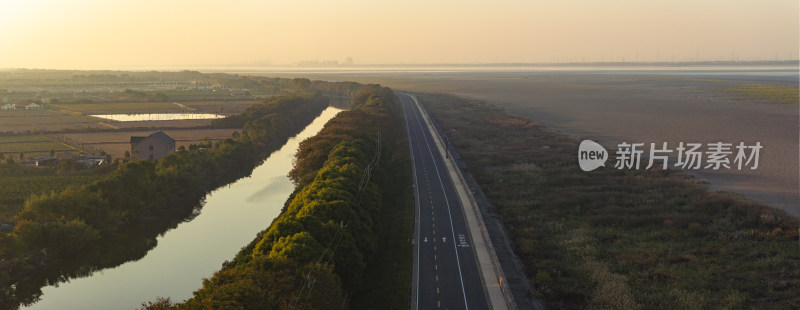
[[416, 190], [417, 111]]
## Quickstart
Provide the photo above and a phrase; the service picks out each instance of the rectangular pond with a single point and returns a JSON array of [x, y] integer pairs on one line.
[[156, 116]]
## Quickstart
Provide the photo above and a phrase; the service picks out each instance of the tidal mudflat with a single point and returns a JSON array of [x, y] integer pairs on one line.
[[612, 106]]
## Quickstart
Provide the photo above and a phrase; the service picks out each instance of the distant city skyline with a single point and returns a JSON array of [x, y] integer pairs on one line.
[[94, 34]]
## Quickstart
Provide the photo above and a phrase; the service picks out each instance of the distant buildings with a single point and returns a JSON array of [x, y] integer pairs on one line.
[[30, 106], [43, 160], [153, 147], [91, 160], [34, 106], [7, 227], [50, 161]]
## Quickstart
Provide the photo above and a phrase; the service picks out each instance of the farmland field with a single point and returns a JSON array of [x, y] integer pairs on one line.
[[74, 116], [117, 107], [117, 142], [220, 107], [22, 121], [30, 145], [155, 107]]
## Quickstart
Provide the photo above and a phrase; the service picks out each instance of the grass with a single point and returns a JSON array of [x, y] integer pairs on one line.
[[612, 239], [117, 142], [768, 92], [223, 106], [45, 121], [30, 144], [217, 102], [118, 107]]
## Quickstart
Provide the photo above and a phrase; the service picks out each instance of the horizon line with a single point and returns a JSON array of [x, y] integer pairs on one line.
[[795, 62]]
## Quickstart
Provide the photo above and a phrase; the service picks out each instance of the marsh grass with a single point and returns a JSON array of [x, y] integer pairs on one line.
[[612, 239], [768, 92]]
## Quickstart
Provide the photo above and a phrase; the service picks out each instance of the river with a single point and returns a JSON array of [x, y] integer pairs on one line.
[[231, 217]]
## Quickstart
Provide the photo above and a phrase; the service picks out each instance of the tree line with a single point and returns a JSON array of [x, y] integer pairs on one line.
[[79, 226], [314, 255]]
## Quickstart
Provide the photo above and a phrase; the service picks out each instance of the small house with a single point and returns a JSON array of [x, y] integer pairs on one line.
[[9, 107], [7, 227], [91, 160], [153, 147], [34, 106], [43, 160]]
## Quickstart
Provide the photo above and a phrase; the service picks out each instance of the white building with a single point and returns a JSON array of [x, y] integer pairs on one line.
[[9, 107], [34, 106]]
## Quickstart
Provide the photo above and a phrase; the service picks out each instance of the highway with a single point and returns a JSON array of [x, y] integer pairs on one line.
[[446, 272]]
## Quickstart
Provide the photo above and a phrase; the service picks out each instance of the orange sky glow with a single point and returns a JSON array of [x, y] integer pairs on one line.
[[95, 34]]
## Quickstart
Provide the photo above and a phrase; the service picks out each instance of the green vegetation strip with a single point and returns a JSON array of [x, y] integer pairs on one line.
[[769, 92], [30, 143], [18, 183], [117, 218], [611, 239], [342, 238]]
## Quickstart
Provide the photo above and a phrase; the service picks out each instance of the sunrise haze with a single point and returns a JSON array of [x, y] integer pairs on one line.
[[92, 34]]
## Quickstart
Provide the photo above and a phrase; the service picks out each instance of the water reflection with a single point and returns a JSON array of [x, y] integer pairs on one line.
[[230, 218], [157, 116]]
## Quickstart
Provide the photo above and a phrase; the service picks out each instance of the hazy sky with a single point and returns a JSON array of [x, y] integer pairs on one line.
[[93, 34]]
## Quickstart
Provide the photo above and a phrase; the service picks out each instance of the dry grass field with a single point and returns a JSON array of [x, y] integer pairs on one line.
[[220, 107], [30, 145], [611, 106], [74, 117], [118, 107], [24, 121], [117, 142], [767, 92], [224, 107]]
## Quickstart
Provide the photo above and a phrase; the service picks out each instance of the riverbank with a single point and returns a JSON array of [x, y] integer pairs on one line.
[[331, 246], [73, 233], [230, 217]]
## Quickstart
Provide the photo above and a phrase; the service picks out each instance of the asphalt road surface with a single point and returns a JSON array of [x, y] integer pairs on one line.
[[446, 272]]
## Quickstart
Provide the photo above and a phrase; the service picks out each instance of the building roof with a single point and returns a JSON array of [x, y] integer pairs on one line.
[[33, 105], [160, 135], [41, 158]]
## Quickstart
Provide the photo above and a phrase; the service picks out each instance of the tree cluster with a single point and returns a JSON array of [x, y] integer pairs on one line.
[[315, 253], [84, 221]]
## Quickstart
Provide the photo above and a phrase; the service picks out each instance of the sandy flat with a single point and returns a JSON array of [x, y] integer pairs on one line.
[[611, 107]]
